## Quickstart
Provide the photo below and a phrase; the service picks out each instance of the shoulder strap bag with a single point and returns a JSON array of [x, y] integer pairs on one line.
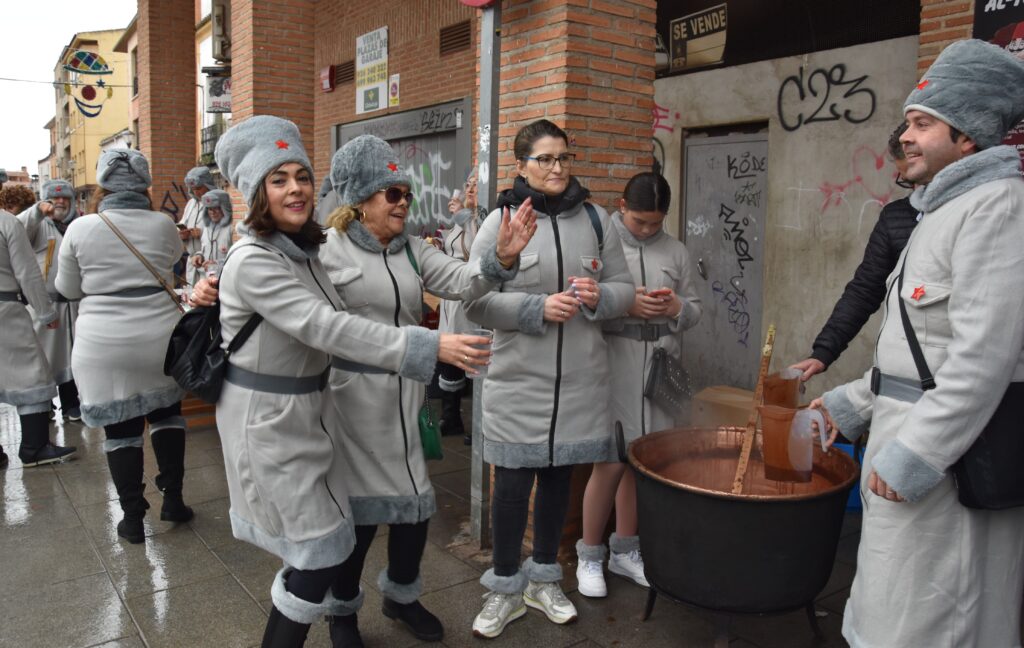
[[988, 475], [149, 266]]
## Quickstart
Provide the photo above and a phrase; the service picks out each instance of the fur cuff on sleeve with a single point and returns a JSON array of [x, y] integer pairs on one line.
[[904, 471], [531, 314], [421, 347], [607, 307], [493, 271], [846, 416]]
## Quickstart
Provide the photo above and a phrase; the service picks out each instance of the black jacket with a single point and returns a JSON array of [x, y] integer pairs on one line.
[[866, 291]]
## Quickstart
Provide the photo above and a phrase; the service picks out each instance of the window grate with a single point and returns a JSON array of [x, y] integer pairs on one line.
[[457, 37]]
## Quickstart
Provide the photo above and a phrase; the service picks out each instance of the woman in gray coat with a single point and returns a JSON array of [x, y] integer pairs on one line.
[[215, 235], [380, 273], [546, 392], [665, 304], [286, 479], [124, 321], [26, 380]]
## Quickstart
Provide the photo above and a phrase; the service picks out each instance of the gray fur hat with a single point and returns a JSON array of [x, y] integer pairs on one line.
[[218, 198], [250, 150], [199, 176], [975, 87], [123, 170], [364, 166], [57, 189]]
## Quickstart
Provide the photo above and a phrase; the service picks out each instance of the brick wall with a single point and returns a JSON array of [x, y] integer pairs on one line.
[[942, 22], [427, 78], [167, 96], [588, 66]]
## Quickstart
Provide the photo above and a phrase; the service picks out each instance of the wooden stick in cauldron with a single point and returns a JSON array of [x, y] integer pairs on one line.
[[748, 438]]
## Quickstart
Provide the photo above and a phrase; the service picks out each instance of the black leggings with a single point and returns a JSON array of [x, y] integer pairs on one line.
[[510, 509], [406, 543], [134, 427]]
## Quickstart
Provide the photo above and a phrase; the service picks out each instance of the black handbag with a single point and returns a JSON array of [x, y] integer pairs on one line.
[[194, 356], [988, 475], [667, 384]]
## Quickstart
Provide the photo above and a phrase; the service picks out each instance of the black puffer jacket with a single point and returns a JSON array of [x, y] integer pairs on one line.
[[866, 291]]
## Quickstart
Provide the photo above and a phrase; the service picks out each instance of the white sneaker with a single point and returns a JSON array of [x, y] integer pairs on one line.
[[549, 599], [630, 565], [590, 575], [499, 610]]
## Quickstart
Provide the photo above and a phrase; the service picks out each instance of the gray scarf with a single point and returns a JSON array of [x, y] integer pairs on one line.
[[125, 200], [996, 163], [364, 239], [282, 243]]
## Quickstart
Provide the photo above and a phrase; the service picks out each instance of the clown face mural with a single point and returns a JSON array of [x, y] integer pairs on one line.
[[87, 87]]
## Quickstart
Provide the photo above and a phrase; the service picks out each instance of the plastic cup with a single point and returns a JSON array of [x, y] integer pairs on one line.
[[489, 334]]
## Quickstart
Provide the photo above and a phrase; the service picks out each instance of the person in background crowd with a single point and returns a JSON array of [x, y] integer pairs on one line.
[[215, 240], [457, 242], [666, 304], [380, 273], [26, 381], [866, 291], [198, 181], [124, 321], [16, 198], [931, 571], [45, 222], [545, 397], [286, 480]]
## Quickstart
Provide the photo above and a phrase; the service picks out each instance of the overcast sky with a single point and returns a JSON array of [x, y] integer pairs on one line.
[[34, 33]]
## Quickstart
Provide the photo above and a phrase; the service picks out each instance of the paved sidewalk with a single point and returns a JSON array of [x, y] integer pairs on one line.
[[69, 581]]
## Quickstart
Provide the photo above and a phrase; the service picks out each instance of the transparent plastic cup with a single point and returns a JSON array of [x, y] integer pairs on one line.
[[490, 338]]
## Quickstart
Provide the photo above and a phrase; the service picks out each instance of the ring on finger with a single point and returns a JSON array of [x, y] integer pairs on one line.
[[465, 358]]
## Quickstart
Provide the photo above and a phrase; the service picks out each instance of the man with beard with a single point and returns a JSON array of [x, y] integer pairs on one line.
[[46, 222], [198, 181]]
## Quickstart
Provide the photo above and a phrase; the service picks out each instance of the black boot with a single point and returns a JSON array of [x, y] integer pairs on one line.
[[282, 632], [36, 449], [451, 414], [126, 471], [169, 448], [423, 625], [69, 403], [345, 631]]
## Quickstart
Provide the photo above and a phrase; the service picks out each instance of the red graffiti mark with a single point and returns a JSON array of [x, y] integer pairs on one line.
[[869, 174], [659, 115]]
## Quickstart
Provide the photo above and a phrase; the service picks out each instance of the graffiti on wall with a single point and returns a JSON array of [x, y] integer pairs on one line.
[[169, 204], [663, 120], [824, 95], [427, 170]]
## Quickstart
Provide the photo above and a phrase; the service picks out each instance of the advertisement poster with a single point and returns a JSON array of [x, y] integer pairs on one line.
[[1001, 22], [393, 91], [698, 40], [372, 71], [218, 94]]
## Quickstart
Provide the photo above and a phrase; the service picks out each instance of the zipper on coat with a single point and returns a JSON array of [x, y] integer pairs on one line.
[[558, 349], [643, 399], [326, 485], [401, 410]]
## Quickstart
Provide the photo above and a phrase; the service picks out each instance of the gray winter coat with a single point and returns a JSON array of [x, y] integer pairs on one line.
[[215, 240], [192, 218], [931, 572], [121, 335], [545, 397], [56, 342], [377, 412], [26, 380], [659, 261], [457, 242], [286, 476]]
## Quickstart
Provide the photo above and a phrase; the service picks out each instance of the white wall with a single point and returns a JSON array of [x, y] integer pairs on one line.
[[827, 181]]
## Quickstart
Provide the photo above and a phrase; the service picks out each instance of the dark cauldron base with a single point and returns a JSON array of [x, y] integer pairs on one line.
[[722, 618]]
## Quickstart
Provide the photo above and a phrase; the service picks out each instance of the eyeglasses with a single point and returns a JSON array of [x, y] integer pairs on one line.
[[547, 162], [394, 195]]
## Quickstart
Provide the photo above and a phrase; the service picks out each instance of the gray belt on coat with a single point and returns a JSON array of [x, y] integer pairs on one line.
[[11, 297], [276, 384], [141, 291], [357, 367], [642, 332], [907, 390], [58, 298]]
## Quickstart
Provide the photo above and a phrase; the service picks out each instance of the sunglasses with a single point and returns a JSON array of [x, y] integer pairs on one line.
[[394, 195]]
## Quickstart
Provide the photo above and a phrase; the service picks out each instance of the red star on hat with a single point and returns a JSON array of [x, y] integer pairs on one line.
[[918, 293], [920, 86], [593, 264], [392, 166], [281, 144], [58, 189]]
